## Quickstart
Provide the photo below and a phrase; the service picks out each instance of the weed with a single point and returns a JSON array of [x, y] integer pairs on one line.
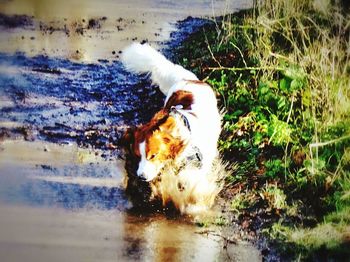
[[274, 196], [240, 201]]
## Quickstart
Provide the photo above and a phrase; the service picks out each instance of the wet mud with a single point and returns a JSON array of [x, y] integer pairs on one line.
[[62, 114], [13, 21], [63, 101]]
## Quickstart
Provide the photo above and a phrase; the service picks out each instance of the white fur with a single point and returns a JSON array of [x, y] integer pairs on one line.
[[204, 117], [139, 58], [204, 120], [146, 169]]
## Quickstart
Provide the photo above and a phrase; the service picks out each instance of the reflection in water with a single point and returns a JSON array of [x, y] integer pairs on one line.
[[29, 171], [57, 212], [56, 183], [164, 239], [45, 234], [50, 210]]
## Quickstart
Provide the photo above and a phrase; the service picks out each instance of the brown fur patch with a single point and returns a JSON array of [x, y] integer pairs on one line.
[[142, 133], [162, 120], [162, 146], [181, 97], [162, 141]]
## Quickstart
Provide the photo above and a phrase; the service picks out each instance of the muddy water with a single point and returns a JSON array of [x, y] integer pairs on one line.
[[65, 203], [100, 236], [64, 102]]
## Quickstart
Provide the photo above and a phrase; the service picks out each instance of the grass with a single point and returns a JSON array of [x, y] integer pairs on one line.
[[282, 74]]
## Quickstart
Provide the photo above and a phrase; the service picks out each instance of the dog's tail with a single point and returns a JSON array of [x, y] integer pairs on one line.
[[143, 59]]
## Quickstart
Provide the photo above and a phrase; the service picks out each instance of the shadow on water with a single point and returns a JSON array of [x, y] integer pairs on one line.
[[73, 196], [70, 186]]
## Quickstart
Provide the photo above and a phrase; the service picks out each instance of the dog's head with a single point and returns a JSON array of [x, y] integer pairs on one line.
[[154, 144]]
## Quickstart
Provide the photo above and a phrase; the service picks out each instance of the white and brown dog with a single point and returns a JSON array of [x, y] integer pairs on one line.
[[187, 128]]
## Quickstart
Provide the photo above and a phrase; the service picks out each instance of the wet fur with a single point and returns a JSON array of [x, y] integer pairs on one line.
[[164, 143]]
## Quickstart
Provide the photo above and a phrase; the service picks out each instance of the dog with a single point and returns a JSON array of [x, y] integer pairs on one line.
[[174, 152]]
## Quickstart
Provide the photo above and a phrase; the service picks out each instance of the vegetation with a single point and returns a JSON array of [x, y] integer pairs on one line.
[[282, 72]]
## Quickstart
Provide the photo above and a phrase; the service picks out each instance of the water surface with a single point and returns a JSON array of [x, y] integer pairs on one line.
[[62, 28]]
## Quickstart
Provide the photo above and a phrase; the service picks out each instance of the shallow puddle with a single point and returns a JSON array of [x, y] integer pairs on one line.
[[64, 203], [43, 234]]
